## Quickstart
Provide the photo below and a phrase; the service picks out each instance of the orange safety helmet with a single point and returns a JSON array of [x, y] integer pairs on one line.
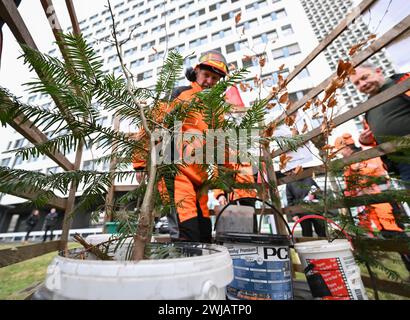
[[344, 141], [215, 60]]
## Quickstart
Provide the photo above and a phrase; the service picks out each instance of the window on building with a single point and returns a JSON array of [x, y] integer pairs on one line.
[[287, 30], [293, 49], [137, 63], [144, 12], [130, 18], [221, 34], [168, 37], [217, 5], [108, 48], [256, 5], [265, 37], [187, 31], [5, 162], [207, 23], [274, 15], [198, 42], [190, 61], [158, 28], [176, 22], [196, 14], [155, 56], [122, 12], [112, 58], [180, 48], [286, 51], [148, 45], [89, 165], [19, 143], [237, 46], [18, 161], [230, 15], [144, 75], [31, 99], [186, 5], [248, 24], [167, 13]]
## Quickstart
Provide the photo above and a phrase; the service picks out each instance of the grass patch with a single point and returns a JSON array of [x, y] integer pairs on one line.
[[17, 277]]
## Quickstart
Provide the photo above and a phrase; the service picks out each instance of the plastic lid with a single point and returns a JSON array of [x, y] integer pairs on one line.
[[322, 246], [274, 239]]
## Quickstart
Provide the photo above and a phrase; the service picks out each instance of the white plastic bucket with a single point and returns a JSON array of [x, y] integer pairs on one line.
[[197, 277], [333, 270]]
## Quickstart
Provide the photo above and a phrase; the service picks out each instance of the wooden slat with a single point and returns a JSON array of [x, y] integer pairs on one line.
[[347, 202], [73, 17], [23, 253], [377, 151], [36, 136], [372, 103], [398, 288], [398, 30]]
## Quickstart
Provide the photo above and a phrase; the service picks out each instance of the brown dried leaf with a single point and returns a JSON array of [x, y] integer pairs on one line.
[[298, 169], [288, 105], [247, 58], [284, 98], [283, 159], [155, 50], [270, 105], [340, 67], [332, 102], [262, 61], [294, 131], [290, 120], [238, 17], [281, 67], [305, 127], [243, 87], [308, 104], [372, 36], [232, 67], [327, 147]]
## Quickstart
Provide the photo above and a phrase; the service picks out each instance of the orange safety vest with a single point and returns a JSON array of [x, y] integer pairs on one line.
[[357, 183]]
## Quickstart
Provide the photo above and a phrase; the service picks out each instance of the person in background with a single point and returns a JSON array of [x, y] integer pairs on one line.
[[305, 190], [358, 181], [390, 119], [50, 223], [31, 222]]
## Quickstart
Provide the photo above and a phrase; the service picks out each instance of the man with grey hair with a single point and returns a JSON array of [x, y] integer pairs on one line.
[[390, 119]]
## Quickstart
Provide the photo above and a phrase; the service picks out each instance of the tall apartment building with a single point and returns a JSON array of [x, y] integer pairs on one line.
[[277, 28]]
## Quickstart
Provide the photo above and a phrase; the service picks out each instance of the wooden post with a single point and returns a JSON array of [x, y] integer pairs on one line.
[[109, 200]]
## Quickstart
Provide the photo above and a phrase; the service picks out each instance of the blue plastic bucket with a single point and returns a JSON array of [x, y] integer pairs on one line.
[[262, 266]]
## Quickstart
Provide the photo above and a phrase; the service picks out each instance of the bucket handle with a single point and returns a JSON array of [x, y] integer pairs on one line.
[[253, 198], [315, 216]]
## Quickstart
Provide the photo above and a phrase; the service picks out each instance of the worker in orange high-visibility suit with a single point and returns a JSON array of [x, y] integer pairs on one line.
[[358, 183], [242, 174], [189, 219]]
